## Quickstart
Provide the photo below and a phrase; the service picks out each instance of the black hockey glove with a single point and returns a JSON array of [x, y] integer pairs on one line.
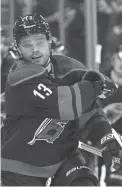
[[111, 152], [107, 86]]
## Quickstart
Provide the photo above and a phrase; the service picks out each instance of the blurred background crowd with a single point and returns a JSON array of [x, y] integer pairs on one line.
[[72, 41]]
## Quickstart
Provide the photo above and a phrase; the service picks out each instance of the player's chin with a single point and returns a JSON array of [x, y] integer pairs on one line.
[[38, 60]]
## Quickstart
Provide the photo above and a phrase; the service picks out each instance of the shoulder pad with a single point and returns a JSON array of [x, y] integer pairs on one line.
[[65, 65], [24, 73]]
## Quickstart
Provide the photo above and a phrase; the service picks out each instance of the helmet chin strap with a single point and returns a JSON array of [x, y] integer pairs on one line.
[[48, 66], [50, 69]]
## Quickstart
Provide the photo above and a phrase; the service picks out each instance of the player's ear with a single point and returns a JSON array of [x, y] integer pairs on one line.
[[15, 52]]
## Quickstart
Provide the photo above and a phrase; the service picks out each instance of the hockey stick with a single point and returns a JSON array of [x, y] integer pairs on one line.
[[97, 151], [90, 149], [117, 137]]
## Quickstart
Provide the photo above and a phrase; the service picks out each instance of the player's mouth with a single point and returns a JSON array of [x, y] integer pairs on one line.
[[36, 60], [37, 57]]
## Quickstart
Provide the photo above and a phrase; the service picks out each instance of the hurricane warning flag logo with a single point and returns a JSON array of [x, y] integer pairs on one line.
[[49, 130]]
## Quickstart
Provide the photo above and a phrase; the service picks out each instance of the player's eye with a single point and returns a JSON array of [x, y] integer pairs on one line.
[[27, 45]]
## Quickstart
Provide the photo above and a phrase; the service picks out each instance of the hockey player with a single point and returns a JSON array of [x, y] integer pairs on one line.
[[112, 107], [46, 98]]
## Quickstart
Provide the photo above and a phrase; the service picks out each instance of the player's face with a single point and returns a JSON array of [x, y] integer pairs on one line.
[[35, 48]]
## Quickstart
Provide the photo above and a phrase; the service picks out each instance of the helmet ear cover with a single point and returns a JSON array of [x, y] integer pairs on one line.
[[31, 24]]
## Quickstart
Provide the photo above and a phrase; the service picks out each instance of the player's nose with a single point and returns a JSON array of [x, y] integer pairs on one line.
[[35, 48]]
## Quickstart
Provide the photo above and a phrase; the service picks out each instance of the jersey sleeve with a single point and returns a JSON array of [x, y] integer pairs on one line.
[[93, 124], [99, 124], [54, 101]]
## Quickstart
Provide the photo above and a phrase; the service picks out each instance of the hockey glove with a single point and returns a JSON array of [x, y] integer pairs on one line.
[[107, 86], [111, 152]]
